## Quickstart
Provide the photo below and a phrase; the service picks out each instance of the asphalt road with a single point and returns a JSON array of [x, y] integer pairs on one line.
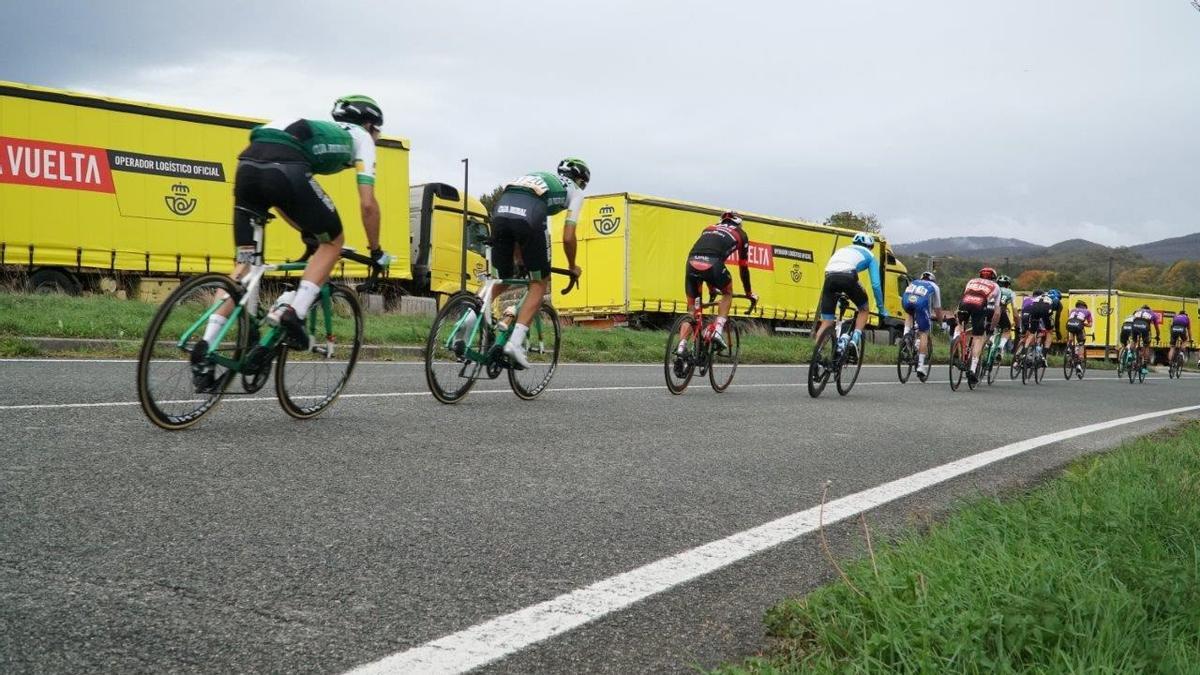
[[255, 543]]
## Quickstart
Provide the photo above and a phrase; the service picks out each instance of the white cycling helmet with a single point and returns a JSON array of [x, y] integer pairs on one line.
[[864, 239]]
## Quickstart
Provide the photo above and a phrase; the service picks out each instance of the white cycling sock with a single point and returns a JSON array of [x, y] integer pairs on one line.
[[921, 360], [720, 323], [681, 346], [518, 335], [974, 363], [304, 298], [215, 322]]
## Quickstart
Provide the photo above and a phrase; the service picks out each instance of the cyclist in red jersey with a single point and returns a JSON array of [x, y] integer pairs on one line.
[[978, 294]]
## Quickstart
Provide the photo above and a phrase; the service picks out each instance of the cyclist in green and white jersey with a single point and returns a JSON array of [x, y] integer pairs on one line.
[[1007, 310], [277, 170], [521, 222]]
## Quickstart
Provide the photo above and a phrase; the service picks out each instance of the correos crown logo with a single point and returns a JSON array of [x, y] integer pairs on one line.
[[179, 202], [606, 224]]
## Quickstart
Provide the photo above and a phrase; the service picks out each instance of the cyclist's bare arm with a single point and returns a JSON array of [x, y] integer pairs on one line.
[[369, 206], [570, 246]]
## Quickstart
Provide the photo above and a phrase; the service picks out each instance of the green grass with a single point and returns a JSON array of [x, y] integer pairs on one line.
[[1095, 572]]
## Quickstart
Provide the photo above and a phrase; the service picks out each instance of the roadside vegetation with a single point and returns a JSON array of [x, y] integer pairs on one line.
[[1097, 571]]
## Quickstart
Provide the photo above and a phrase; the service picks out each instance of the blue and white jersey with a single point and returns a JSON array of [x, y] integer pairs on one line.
[[923, 293], [854, 259]]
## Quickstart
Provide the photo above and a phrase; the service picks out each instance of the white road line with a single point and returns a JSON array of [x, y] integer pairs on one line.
[[505, 635]]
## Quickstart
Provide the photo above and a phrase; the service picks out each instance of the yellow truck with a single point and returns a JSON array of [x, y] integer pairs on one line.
[[98, 192], [632, 249]]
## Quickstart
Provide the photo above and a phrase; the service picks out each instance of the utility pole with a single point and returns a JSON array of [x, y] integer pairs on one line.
[[466, 207]]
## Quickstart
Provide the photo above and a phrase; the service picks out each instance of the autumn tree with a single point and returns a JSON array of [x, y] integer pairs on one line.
[[866, 222]]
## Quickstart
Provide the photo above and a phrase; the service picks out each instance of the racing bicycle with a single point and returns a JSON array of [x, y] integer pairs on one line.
[[830, 359], [702, 356], [467, 343], [960, 357], [1073, 362], [1175, 370], [177, 385]]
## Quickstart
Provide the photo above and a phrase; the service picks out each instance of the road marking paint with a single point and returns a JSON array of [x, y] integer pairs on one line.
[[504, 635]]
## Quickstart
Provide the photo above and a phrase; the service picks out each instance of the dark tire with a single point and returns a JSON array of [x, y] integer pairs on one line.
[[1083, 366], [994, 366], [1014, 368], [50, 281], [1068, 366], [164, 372], [449, 373], [847, 375], [1039, 370], [542, 344], [820, 366], [956, 365], [677, 381], [904, 358], [308, 382], [723, 365], [1135, 366]]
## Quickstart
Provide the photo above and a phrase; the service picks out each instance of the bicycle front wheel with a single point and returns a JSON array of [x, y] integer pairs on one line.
[[1068, 366], [309, 381], [450, 371], [847, 375], [723, 364], [821, 364], [1082, 366], [541, 348], [679, 368], [1014, 368], [173, 392]]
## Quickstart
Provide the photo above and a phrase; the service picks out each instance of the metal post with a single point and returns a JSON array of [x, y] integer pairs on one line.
[[466, 197], [1108, 304]]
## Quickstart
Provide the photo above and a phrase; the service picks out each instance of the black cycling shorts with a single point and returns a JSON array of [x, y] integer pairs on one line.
[[1125, 333], [289, 187], [1179, 334], [841, 282], [978, 318], [519, 221], [1005, 321], [1036, 320], [1075, 327], [1141, 329], [702, 269]]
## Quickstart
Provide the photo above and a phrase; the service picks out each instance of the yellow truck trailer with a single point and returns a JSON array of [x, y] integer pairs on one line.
[[632, 249], [95, 188]]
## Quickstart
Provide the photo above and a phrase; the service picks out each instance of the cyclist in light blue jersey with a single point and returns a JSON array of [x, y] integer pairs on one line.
[[922, 301], [841, 276]]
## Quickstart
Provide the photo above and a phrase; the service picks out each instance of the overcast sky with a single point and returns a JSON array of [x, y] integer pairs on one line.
[[1038, 119]]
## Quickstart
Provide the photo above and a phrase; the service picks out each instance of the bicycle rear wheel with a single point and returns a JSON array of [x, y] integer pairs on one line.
[[1014, 368], [904, 358], [847, 374], [166, 387], [679, 368], [309, 381], [723, 364], [541, 348], [1039, 369], [1082, 363], [993, 365], [449, 371], [1068, 366], [956, 365], [1134, 365], [820, 366]]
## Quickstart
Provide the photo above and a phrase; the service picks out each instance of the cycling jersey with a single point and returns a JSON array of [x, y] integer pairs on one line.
[[327, 147], [1181, 319], [848, 262], [1078, 319], [720, 241], [1035, 313], [558, 192], [1142, 320], [980, 294], [918, 299]]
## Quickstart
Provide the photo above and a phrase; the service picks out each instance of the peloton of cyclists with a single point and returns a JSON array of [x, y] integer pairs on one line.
[[979, 294], [922, 301]]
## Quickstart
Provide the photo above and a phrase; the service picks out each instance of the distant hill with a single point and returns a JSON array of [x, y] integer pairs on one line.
[[1165, 251], [1169, 250]]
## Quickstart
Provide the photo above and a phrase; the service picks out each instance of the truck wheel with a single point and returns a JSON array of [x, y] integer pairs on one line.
[[51, 280]]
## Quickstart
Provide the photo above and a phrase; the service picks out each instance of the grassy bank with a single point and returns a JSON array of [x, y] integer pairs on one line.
[[1097, 571], [105, 318]]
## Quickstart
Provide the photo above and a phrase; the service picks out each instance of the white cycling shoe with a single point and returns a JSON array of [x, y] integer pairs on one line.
[[516, 354]]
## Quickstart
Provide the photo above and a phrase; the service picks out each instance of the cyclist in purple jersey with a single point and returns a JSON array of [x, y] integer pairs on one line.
[[1181, 333]]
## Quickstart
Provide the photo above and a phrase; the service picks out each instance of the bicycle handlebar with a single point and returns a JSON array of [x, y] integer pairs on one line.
[[567, 273], [372, 276]]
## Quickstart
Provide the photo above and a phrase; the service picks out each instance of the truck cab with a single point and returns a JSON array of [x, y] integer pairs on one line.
[[436, 239]]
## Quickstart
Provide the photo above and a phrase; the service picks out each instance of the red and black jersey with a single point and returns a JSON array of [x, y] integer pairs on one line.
[[979, 293], [721, 240]]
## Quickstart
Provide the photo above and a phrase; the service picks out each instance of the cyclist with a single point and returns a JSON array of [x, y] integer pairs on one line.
[[276, 170], [841, 276], [1126, 331], [1077, 320], [1036, 318], [1008, 309], [1056, 308], [706, 265], [1142, 320], [980, 294], [1181, 333], [922, 301], [521, 221]]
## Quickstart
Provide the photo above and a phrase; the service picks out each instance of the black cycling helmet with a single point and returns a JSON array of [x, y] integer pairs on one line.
[[577, 170], [1079, 304], [1038, 292], [732, 217], [357, 109], [1145, 306]]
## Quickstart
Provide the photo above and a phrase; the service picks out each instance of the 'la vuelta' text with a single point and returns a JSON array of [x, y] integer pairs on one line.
[[51, 164]]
